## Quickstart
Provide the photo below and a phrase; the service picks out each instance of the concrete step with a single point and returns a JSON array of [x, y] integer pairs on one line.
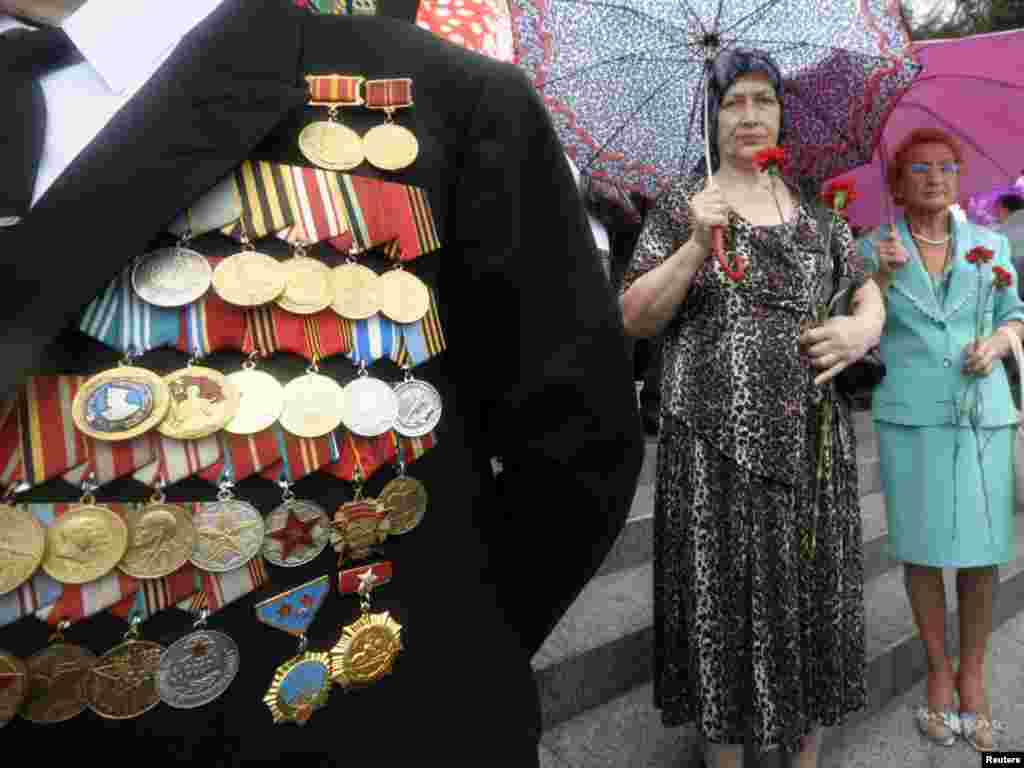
[[594, 674]]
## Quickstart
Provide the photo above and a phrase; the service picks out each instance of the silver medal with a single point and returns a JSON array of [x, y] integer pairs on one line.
[[171, 277], [369, 407], [419, 408], [297, 532], [229, 533], [197, 669]]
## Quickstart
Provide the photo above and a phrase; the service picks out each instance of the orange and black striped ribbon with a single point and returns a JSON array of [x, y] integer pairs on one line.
[[393, 93], [335, 90]]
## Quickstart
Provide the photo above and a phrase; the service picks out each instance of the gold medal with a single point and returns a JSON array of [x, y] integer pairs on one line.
[[121, 403], [202, 401], [308, 288], [329, 144], [390, 147], [161, 538], [359, 525], [369, 646], [56, 674], [22, 544], [354, 289], [312, 405], [13, 686], [249, 279], [404, 501], [261, 400], [85, 543], [122, 684], [403, 296]]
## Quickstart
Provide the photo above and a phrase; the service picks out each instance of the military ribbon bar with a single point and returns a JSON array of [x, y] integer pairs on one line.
[[244, 455], [388, 95], [364, 578], [50, 442], [301, 456], [210, 324], [120, 319], [179, 459], [335, 90]]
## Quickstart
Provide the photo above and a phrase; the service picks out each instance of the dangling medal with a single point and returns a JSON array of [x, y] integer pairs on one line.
[[403, 499], [14, 679], [354, 291], [121, 403], [297, 531], [369, 646], [369, 406], [22, 545], [329, 144], [161, 538], [390, 147], [121, 684], [419, 407], [308, 288], [229, 532], [198, 668], [302, 684], [203, 401], [172, 277], [86, 542], [403, 296], [313, 404], [359, 526], [261, 400], [249, 278], [56, 675]]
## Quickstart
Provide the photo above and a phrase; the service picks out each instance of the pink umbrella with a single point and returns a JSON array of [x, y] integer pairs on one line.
[[972, 88]]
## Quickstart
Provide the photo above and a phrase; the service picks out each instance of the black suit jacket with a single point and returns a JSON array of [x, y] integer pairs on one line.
[[535, 372]]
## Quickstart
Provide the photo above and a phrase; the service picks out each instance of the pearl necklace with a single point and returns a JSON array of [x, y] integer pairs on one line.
[[924, 239]]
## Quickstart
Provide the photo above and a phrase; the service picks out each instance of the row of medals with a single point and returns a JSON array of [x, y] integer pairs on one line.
[[195, 402], [156, 539]]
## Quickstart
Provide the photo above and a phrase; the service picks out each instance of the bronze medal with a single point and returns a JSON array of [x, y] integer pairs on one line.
[[403, 296], [202, 402], [360, 525], [85, 543], [14, 683], [121, 403], [56, 674], [249, 279], [22, 544], [404, 501], [161, 538], [354, 290], [122, 684]]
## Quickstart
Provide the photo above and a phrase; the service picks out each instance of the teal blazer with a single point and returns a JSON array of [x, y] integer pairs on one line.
[[923, 342]]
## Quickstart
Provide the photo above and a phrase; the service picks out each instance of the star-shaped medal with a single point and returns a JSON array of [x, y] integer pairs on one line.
[[295, 534]]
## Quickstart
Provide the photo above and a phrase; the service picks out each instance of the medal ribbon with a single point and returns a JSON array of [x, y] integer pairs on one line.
[[261, 331], [423, 339], [11, 470], [120, 319], [218, 207], [389, 95], [349, 581], [210, 324], [412, 447], [243, 456], [373, 339], [39, 591], [50, 442], [301, 456], [179, 459], [157, 595], [79, 601], [221, 589], [335, 90], [326, 335], [318, 210], [108, 461], [369, 454]]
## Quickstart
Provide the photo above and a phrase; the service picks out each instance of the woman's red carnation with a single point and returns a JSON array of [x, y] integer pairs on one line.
[[839, 193], [1003, 278], [771, 158]]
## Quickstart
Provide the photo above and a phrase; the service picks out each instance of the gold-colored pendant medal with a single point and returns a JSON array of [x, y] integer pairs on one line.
[[203, 401], [249, 278], [122, 684], [403, 297], [85, 543], [354, 291], [329, 144], [56, 675], [308, 287], [390, 147], [403, 499], [368, 646], [121, 403], [22, 545], [359, 526], [161, 538], [261, 400]]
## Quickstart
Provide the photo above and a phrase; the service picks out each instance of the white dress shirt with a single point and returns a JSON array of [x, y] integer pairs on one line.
[[123, 44]]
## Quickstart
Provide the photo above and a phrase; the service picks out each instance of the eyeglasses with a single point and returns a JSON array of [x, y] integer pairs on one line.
[[948, 169]]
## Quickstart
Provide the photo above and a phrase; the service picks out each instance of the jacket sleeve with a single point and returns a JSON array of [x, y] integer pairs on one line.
[[1008, 303], [556, 396]]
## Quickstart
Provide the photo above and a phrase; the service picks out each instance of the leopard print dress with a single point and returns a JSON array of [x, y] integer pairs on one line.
[[751, 633]]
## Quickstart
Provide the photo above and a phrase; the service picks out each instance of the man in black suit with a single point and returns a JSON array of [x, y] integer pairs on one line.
[[535, 370]]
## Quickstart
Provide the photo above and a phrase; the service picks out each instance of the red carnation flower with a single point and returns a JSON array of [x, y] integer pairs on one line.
[[980, 255], [771, 159], [838, 194], [1002, 278]]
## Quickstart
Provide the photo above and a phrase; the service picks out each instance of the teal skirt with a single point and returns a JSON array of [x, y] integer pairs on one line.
[[939, 517]]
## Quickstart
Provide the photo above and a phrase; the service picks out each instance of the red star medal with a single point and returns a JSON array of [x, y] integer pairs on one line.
[[295, 534]]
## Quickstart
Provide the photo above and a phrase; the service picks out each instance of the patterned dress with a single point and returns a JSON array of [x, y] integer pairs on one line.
[[749, 631]]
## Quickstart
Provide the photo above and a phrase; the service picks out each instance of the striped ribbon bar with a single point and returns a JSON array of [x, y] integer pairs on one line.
[[107, 461], [221, 589], [317, 205], [262, 328], [120, 319], [316, 337], [374, 339], [157, 595], [50, 442], [326, 335], [381, 211], [79, 601], [11, 470], [389, 95], [266, 194], [39, 591], [369, 454], [423, 339], [179, 459], [243, 455], [301, 456], [210, 324], [335, 90]]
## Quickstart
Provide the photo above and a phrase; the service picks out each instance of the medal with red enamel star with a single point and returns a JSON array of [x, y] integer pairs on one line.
[[298, 531]]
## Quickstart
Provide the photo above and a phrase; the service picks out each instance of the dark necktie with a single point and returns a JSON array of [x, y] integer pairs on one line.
[[25, 55]]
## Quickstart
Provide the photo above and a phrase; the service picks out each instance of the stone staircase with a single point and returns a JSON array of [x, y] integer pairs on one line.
[[594, 672]]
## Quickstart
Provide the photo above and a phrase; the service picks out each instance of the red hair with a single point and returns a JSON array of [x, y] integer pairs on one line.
[[920, 136]]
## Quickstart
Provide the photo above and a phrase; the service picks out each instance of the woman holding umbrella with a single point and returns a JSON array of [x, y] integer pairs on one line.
[[753, 627], [946, 465]]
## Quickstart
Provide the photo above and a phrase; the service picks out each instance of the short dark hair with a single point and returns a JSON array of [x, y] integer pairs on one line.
[[1012, 202]]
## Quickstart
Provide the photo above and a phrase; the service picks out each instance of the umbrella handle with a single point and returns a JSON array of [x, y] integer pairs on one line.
[[718, 244]]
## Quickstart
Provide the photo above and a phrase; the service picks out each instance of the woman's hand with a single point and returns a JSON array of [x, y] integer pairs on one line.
[[892, 256], [708, 209], [836, 344], [980, 357]]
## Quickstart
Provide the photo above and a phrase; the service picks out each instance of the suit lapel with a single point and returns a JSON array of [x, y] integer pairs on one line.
[[913, 280], [963, 285]]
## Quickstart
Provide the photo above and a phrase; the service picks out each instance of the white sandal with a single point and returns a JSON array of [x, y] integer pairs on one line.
[[940, 728], [980, 731]]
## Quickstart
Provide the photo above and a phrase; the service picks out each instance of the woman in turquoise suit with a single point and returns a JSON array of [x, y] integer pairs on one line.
[[940, 517]]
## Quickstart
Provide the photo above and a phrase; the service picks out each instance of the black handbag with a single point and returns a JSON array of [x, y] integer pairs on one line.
[[856, 381]]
